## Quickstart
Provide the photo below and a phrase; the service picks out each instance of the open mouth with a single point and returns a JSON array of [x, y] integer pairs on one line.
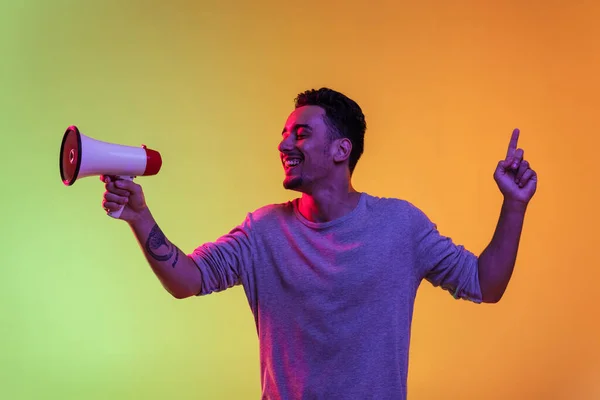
[[289, 164], [292, 162]]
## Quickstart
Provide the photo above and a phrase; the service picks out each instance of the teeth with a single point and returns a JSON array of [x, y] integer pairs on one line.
[[292, 163]]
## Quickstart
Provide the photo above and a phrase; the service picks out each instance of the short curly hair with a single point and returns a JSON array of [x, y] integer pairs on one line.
[[343, 117]]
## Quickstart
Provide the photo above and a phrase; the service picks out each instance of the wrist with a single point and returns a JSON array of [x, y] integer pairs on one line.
[[140, 218], [514, 205]]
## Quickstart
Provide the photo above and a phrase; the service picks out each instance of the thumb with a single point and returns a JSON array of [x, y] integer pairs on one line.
[[125, 184], [505, 164], [503, 167]]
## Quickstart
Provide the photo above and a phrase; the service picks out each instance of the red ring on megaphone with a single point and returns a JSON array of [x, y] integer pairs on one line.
[[70, 156], [153, 162]]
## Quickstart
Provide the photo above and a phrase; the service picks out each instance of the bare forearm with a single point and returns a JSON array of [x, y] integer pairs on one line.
[[497, 261], [175, 270]]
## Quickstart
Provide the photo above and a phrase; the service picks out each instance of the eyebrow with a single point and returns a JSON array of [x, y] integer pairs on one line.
[[296, 127]]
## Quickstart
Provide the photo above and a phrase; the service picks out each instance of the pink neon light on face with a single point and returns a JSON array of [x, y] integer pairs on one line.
[[305, 149]]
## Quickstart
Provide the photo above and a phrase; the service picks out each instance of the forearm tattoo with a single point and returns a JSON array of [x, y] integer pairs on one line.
[[176, 257], [156, 240]]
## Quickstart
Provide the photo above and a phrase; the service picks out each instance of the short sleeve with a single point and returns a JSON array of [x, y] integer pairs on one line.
[[443, 263], [223, 262]]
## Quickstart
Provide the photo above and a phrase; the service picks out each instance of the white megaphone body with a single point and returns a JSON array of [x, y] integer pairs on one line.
[[81, 156]]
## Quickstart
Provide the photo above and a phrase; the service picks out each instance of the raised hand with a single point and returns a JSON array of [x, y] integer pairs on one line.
[[514, 176]]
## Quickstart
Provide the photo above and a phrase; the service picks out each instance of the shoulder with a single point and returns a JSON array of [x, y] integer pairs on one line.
[[377, 203], [271, 213], [397, 209]]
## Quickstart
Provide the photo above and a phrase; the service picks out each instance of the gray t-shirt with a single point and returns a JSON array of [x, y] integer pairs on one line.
[[333, 301]]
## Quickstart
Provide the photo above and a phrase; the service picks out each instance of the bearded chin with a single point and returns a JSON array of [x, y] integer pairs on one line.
[[292, 183]]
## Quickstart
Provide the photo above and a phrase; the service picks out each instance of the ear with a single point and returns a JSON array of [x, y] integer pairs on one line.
[[341, 150]]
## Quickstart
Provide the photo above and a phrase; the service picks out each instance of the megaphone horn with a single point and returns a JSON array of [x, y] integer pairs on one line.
[[82, 156]]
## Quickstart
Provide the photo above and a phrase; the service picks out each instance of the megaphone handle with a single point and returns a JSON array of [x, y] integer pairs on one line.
[[117, 214]]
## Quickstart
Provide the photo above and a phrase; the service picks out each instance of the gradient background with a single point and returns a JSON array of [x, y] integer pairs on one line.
[[210, 85]]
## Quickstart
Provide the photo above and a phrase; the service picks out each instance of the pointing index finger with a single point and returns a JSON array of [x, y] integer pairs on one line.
[[512, 146]]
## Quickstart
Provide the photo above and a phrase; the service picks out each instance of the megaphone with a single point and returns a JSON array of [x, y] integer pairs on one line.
[[82, 156]]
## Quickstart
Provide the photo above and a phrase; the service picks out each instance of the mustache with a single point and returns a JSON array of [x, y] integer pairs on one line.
[[289, 155]]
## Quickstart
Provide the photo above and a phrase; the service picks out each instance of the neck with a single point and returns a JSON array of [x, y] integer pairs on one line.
[[327, 204]]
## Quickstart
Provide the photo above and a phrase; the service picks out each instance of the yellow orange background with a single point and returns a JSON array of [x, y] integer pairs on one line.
[[210, 84]]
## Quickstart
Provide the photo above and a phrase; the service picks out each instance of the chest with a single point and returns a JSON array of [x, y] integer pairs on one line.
[[328, 266]]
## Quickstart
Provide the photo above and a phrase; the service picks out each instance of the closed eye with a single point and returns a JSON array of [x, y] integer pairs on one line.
[[302, 133], [299, 129]]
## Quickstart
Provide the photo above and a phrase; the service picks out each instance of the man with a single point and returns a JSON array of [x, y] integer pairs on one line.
[[331, 277]]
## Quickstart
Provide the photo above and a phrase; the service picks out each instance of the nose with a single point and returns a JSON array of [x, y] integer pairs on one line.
[[285, 144]]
